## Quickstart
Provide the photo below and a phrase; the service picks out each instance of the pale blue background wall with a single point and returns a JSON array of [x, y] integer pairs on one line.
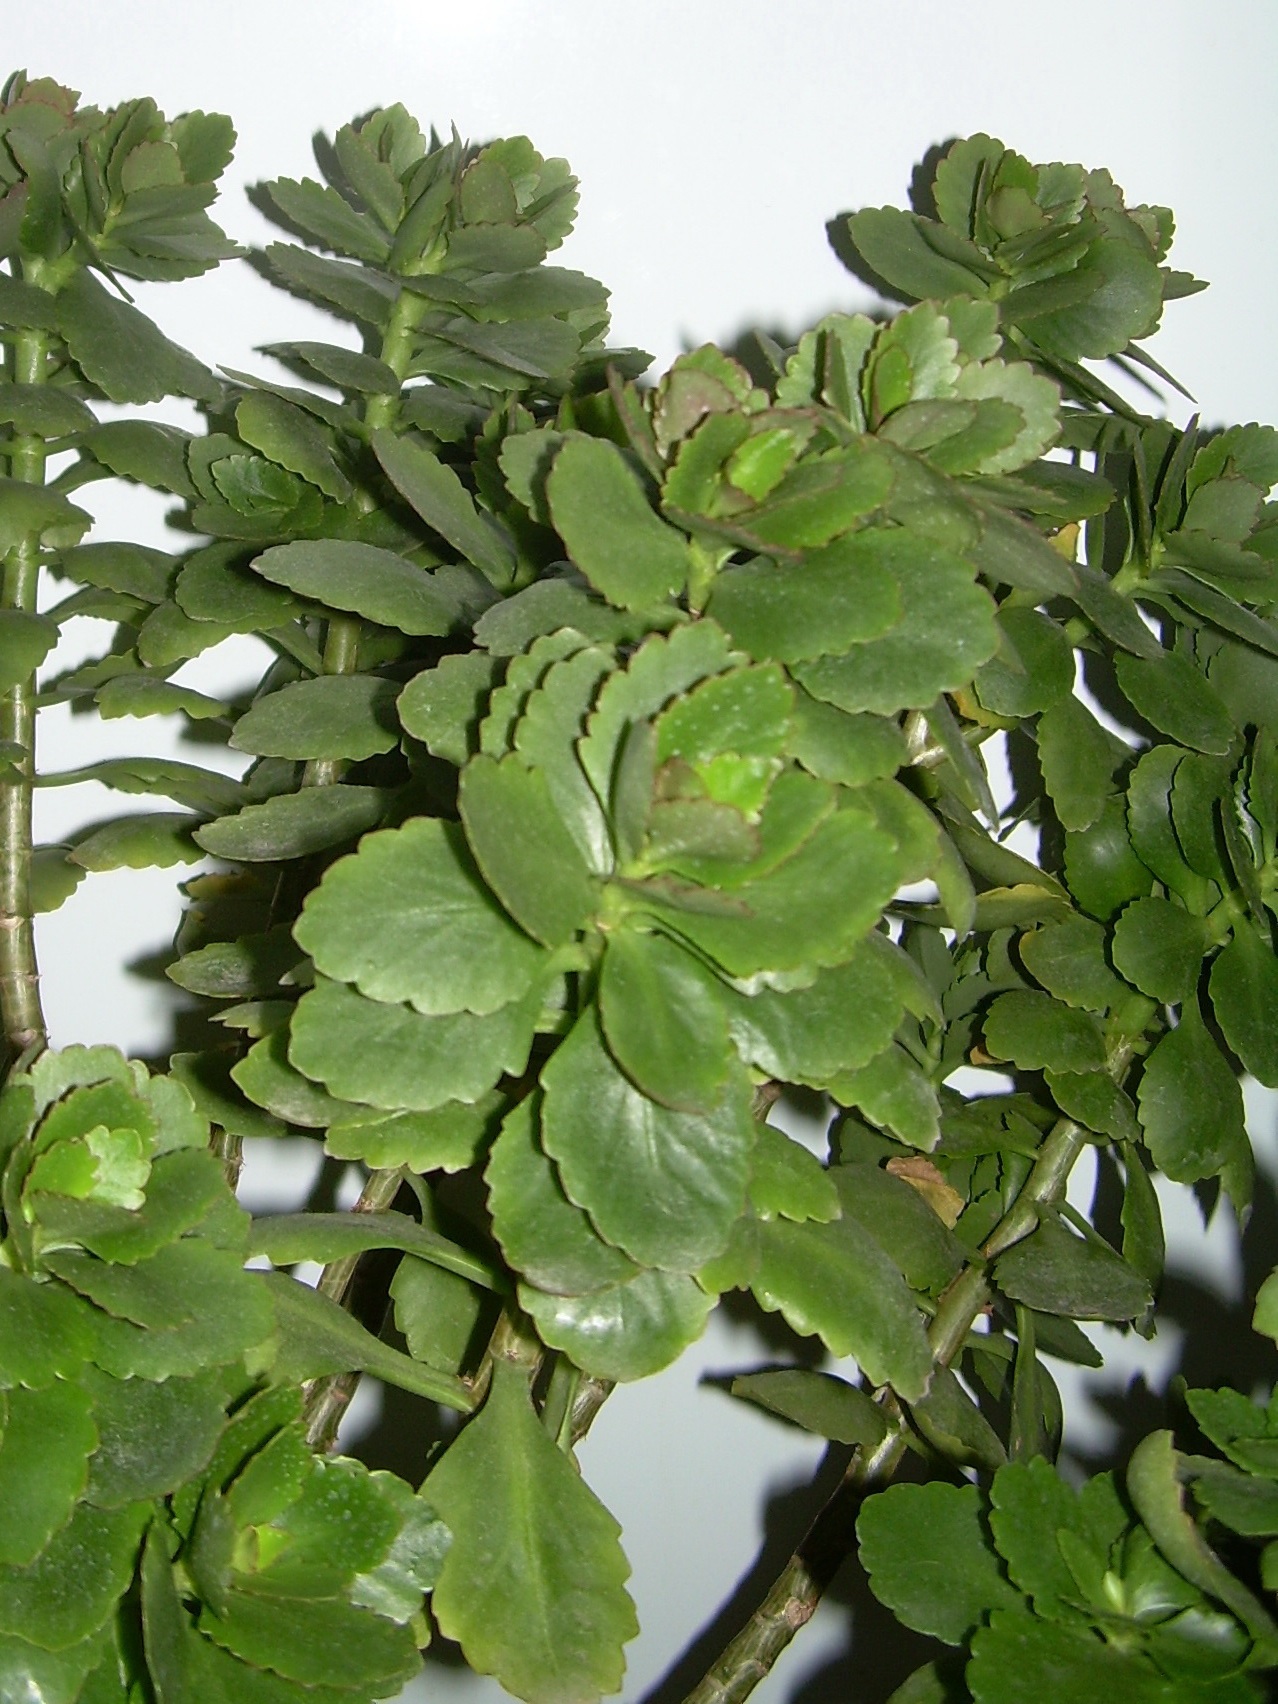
[[713, 139]]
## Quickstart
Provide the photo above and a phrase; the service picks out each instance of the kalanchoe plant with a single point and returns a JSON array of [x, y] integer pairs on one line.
[[620, 765]]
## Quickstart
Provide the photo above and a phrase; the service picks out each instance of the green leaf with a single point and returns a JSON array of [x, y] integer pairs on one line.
[[152, 1437], [347, 369], [394, 1057], [318, 1337], [533, 1586], [34, 513], [409, 917], [811, 909], [1017, 1657], [150, 695], [1081, 1277], [313, 1641], [1069, 960], [950, 1421], [947, 630], [1159, 947], [1033, 668], [1103, 870], [833, 1281], [1095, 1100], [894, 1093], [49, 1435], [333, 716], [376, 584], [54, 1677], [930, 1560], [73, 1586], [448, 1139], [290, 438], [1078, 758], [787, 1179], [1036, 1031], [442, 501], [842, 595], [292, 825], [185, 1187], [244, 969], [611, 531], [849, 749], [123, 352], [524, 849], [902, 1222], [154, 841], [819, 1402], [654, 996], [266, 1077], [45, 1332], [357, 292], [626, 1330], [443, 706], [25, 641], [1177, 699], [668, 1185], [133, 569], [144, 450], [1190, 1102], [543, 1235], [1244, 997], [287, 1238], [898, 247]]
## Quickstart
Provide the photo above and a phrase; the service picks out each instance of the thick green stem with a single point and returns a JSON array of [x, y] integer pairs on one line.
[[20, 1008], [797, 1590]]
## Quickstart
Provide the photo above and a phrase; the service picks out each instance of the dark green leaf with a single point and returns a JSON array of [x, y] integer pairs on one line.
[[293, 825], [72, 1587], [930, 1559], [376, 584], [49, 1435], [951, 1422], [313, 1641], [443, 706], [610, 528], [524, 849], [902, 1222], [408, 917], [818, 1402], [1190, 1102], [334, 716], [1159, 947], [1069, 960], [1017, 1657], [121, 351], [1078, 758], [1081, 1277], [1036, 1031], [287, 1238], [654, 996], [668, 1185], [835, 746], [536, 1598], [1103, 870], [842, 595], [153, 1437], [1177, 699], [1244, 997], [442, 501]]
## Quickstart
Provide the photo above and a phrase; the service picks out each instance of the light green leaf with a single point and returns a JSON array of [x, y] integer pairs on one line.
[[154, 841], [787, 1180], [667, 1185], [448, 1139], [611, 530], [627, 1330], [1244, 997], [376, 584], [524, 849], [408, 917], [533, 1586], [1190, 1102], [394, 1057], [292, 825], [333, 716], [54, 878], [930, 1560], [654, 997]]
